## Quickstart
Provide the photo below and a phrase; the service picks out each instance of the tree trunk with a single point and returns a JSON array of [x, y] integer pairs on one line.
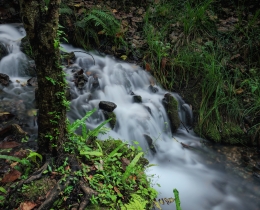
[[41, 24]]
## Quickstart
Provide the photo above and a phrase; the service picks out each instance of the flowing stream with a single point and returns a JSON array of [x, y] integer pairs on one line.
[[202, 184]]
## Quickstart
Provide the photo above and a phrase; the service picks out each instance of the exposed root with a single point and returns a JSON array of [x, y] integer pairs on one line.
[[88, 194], [36, 175], [54, 194]]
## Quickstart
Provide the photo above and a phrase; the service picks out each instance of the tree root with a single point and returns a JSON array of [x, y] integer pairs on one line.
[[36, 175], [54, 194], [88, 194]]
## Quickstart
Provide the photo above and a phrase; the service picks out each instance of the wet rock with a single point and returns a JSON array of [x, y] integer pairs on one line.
[[107, 106], [137, 99], [32, 82], [153, 89], [3, 51], [171, 107], [30, 68], [4, 79], [80, 79], [149, 141], [95, 83], [112, 116]]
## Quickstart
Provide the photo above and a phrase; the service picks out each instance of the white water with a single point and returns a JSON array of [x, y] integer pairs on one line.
[[200, 187]]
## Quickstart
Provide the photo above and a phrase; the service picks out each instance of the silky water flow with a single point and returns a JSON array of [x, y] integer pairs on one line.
[[201, 186]]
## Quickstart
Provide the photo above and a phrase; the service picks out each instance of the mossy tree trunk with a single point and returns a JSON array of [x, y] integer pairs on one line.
[[41, 24]]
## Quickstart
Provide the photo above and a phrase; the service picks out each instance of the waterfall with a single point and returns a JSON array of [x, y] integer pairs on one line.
[[103, 78]]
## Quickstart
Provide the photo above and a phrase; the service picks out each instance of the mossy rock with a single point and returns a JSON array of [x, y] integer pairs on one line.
[[171, 107], [112, 116]]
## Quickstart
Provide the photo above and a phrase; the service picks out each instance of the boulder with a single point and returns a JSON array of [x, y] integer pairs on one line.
[[107, 106], [4, 79], [171, 107]]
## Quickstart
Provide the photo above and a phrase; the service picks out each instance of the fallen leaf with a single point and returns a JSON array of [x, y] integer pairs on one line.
[[118, 192], [147, 67], [101, 32], [163, 63], [11, 176], [125, 162], [239, 91], [114, 11], [28, 205], [8, 145], [124, 57], [235, 56], [14, 164]]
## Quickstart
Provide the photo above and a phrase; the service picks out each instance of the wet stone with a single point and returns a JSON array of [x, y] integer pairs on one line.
[[107, 106], [153, 89], [32, 82], [4, 79], [137, 99]]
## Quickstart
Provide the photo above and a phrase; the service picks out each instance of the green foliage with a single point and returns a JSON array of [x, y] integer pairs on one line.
[[114, 190], [136, 202], [23, 161], [195, 20], [98, 22], [131, 166], [177, 199]]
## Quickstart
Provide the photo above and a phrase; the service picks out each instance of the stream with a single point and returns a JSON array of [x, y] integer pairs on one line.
[[202, 182]]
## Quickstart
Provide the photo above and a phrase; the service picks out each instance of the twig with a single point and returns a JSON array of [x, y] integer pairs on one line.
[[185, 127], [88, 54]]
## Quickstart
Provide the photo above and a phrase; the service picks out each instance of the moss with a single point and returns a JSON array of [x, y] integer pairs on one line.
[[229, 132], [112, 116], [171, 107]]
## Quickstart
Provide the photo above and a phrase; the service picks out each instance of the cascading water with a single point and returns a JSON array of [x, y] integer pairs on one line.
[[200, 186]]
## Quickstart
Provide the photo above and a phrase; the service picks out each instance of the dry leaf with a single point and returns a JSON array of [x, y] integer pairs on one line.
[[28, 205], [8, 145], [11, 176], [239, 91], [114, 11], [163, 63], [101, 32], [14, 164], [147, 67], [118, 191], [235, 56]]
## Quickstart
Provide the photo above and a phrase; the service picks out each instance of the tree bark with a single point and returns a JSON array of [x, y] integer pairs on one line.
[[41, 25]]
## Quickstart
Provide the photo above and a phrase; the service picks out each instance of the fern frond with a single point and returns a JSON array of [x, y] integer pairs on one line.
[[136, 203], [66, 11]]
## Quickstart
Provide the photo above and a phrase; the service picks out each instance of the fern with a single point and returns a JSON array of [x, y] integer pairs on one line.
[[136, 203], [66, 11], [100, 19], [131, 166]]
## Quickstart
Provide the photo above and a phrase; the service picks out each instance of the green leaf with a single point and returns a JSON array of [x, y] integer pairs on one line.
[[131, 166], [177, 199], [3, 190], [91, 153], [23, 161]]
